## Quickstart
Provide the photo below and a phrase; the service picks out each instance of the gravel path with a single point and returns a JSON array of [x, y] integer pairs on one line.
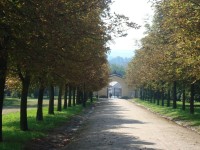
[[122, 125]]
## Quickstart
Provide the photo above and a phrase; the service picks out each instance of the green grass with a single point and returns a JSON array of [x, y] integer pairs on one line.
[[15, 102], [11, 102], [178, 114], [14, 138]]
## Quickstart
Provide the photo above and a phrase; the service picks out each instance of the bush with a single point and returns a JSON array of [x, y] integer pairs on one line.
[[124, 97], [103, 96]]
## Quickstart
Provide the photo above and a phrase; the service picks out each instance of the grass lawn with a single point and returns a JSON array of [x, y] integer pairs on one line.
[[15, 102], [15, 139], [183, 117]]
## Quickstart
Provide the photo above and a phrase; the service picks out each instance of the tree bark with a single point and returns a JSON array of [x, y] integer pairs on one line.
[[154, 97], [136, 96], [70, 96], [163, 97], [168, 98], [192, 93], [158, 97], [23, 107], [3, 70], [142, 93], [84, 96], [78, 97], [150, 95], [39, 116], [183, 104], [174, 95], [65, 97], [91, 97], [81, 97], [59, 108], [2, 87], [74, 96], [51, 100]]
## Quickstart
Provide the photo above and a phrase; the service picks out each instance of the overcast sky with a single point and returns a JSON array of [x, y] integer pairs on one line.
[[138, 11]]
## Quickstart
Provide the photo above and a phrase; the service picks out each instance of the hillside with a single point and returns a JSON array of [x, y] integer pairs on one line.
[[118, 65], [119, 61]]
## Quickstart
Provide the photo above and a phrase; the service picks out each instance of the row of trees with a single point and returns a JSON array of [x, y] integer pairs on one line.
[[167, 65], [55, 43]]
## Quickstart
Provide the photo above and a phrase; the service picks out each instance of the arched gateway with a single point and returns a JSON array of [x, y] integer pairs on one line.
[[116, 88]]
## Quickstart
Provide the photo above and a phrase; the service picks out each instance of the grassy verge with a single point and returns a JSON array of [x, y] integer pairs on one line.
[[182, 117], [14, 138], [15, 102]]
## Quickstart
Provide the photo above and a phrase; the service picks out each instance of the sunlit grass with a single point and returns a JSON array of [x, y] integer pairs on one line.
[[14, 138], [175, 114]]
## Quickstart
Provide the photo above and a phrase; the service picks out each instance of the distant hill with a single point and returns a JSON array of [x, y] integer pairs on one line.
[[118, 65], [119, 61]]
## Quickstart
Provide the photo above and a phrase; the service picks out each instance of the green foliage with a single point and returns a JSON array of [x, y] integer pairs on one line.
[[117, 69]]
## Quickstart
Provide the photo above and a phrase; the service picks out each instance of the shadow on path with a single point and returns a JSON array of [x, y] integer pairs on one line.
[[107, 129]]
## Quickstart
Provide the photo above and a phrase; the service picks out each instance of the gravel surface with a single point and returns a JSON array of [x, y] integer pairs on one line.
[[121, 125]]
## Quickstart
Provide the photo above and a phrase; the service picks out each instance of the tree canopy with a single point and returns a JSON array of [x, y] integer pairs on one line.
[[53, 43], [169, 54]]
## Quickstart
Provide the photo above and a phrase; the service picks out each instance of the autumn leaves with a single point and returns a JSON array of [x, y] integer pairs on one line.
[[168, 60], [52, 43]]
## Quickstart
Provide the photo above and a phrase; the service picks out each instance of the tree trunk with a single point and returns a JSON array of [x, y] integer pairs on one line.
[[84, 96], [154, 97], [65, 97], [183, 104], [158, 97], [23, 106], [135, 94], [192, 98], [150, 95], [174, 95], [2, 87], [74, 96], [3, 70], [145, 94], [140, 93], [168, 98], [39, 116], [51, 100], [91, 97], [70, 96], [78, 97], [163, 97], [81, 97], [60, 99]]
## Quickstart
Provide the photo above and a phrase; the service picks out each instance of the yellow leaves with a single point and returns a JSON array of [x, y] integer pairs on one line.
[[13, 83], [171, 50]]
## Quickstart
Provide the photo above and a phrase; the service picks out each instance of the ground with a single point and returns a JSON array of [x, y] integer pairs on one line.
[[122, 125], [115, 124]]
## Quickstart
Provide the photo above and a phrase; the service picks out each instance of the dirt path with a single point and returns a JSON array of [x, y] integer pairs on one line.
[[122, 125]]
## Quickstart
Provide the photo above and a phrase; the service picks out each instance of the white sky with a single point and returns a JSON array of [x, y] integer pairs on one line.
[[138, 11]]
